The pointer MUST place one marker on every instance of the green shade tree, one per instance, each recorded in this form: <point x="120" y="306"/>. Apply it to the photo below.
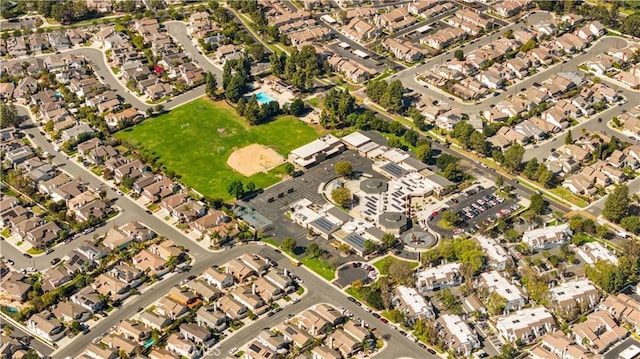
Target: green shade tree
<point x="341" y="196"/>
<point x="616" y="206"/>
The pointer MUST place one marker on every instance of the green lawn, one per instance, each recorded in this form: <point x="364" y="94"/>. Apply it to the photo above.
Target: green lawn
<point x="383" y="264"/>
<point x="196" y="139"/>
<point x="321" y="267"/>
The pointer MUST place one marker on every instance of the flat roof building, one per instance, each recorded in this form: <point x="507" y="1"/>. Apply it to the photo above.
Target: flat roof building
<point x="316" y="151"/>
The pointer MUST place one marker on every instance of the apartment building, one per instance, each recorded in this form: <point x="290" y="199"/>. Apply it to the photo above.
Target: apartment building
<point x="434" y="278"/>
<point x="526" y="324"/>
<point x="498" y="284"/>
<point x="412" y="304"/>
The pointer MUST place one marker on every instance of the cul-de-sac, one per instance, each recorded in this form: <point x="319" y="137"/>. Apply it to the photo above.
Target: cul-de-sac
<point x="319" y="179"/>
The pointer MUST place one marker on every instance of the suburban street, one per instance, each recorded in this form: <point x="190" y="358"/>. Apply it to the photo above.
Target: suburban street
<point x="318" y="289"/>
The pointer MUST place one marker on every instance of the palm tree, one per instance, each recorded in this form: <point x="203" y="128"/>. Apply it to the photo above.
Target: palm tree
<point x="172" y="262"/>
<point x="345" y="248"/>
<point x="215" y="239"/>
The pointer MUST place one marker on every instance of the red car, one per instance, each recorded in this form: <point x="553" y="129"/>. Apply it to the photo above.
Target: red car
<point x="385" y="321"/>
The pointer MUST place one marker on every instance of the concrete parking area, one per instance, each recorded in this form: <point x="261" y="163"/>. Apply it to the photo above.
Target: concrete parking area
<point x="482" y="205"/>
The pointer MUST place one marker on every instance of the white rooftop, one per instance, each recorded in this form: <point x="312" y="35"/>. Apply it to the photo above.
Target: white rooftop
<point x="413" y="300"/>
<point x="356" y="139"/>
<point x="630" y="352"/>
<point x="494" y="251"/>
<point x="439" y="273"/>
<point x="594" y="251"/>
<point x="571" y="290"/>
<point x="458" y="328"/>
<point x="524" y="319"/>
<point x="500" y="285"/>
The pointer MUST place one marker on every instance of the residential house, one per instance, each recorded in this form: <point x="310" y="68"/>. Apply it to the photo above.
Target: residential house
<point x="134" y="331"/>
<point x="210" y="317"/>
<point x="158" y="190"/>
<point x="494" y="282"/>
<point x="313" y="323"/>
<point x="197" y="334"/>
<point x="232" y="308"/>
<point x="457" y="335"/>
<point x="439" y="277"/>
<point x="46" y="326"/>
<point x="239" y="270"/>
<point x="599" y="332"/>
<point x="578" y="296"/>
<point x="298" y="337"/>
<point x="247" y="296"/>
<point x="151" y="263"/>
<point x="412" y="304"/>
<point x="526" y="324"/>
<point x="547" y="237"/>
<point x="180" y="345"/>
<point x="594" y="252"/>
<point x="215" y="277"/>
<point x="89" y="299"/>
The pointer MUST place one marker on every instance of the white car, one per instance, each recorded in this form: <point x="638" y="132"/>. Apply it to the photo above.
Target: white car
<point x="233" y="350"/>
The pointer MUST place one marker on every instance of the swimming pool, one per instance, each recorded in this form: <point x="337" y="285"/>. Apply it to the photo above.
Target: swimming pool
<point x="12" y="309"/>
<point x="263" y="98"/>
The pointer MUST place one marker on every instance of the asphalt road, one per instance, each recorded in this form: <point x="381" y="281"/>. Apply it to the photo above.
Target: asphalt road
<point x="130" y="210"/>
<point x="408" y="77"/>
<point x="317" y="292"/>
<point x="318" y="289"/>
<point x="476" y="170"/>
<point x="592" y="125"/>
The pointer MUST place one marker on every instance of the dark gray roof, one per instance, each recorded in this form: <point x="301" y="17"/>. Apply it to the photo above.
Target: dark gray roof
<point x="394" y="170"/>
<point x="356" y="241"/>
<point x="439" y="180"/>
<point x="414" y="163"/>
<point x="393" y="220"/>
<point x="339" y="214"/>
<point x="324" y="225"/>
<point x="375" y="232"/>
<point x="373" y="186"/>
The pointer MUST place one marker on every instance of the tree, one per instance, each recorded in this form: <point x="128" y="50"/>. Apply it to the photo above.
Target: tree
<point x="631" y="224"/>
<point x="289" y="168"/>
<point x="211" y="85"/>
<point x="388" y="240"/>
<point x="537" y="203"/>
<point x="459" y="55"/>
<point x="400" y="272"/>
<point x="296" y="107"/>
<point x="569" y="138"/>
<point x="344" y="168"/>
<point x="545" y="177"/>
<point x="499" y="181"/>
<point x="9" y="116"/>
<point x="342" y="196"/>
<point x="513" y="157"/>
<point x="236" y="189"/>
<point x="616" y="205"/>
<point x="423" y="152"/>
<point x="370" y="246"/>
<point x="235" y="89"/>
<point x="450" y="217"/>
<point x="313" y="250"/>
<point x="288" y="244"/>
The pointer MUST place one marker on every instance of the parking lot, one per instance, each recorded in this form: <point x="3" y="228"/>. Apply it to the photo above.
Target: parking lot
<point x="476" y="208"/>
<point x="374" y="61"/>
<point x="275" y="201"/>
